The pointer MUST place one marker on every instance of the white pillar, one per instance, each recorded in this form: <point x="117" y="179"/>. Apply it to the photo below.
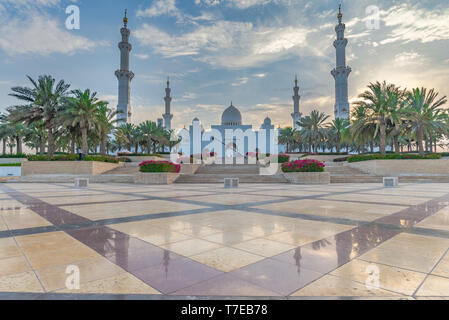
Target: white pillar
<point x="124" y="76"/>
<point x="341" y="72"/>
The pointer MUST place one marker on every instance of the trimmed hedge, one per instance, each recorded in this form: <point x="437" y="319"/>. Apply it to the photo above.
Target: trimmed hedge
<point x="8" y="156"/>
<point x="309" y="165"/>
<point x="159" y="166"/>
<point x="325" y="154"/>
<point x="74" y="157"/>
<point x="394" y="156"/>
<point x="10" y="164"/>
<point x="125" y="154"/>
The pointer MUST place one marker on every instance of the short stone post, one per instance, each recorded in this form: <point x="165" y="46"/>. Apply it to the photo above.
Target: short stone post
<point x="391" y="182"/>
<point x="81" y="183"/>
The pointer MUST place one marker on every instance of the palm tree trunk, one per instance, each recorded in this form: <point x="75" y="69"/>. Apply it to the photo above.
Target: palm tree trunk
<point x="137" y="148"/>
<point x="103" y="144"/>
<point x="19" y="145"/>
<point x="419" y="142"/>
<point x="72" y="144"/>
<point x="85" y="148"/>
<point x="51" y="142"/>
<point x="4" y="146"/>
<point x="383" y="135"/>
<point x="396" y="144"/>
<point x="362" y="143"/>
<point x="42" y="146"/>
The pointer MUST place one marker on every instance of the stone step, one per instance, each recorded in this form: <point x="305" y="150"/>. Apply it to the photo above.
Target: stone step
<point x="229" y="169"/>
<point x="356" y="179"/>
<point x="219" y="178"/>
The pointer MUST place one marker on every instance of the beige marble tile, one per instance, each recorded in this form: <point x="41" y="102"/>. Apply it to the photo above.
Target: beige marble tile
<point x="54" y="278"/>
<point x="263" y="247"/>
<point x="135" y="208"/>
<point x="13" y="265"/>
<point x="332" y="286"/>
<point x="442" y="269"/>
<point x="69" y="255"/>
<point x="46" y="241"/>
<point x="390" y="278"/>
<point x="292" y="238"/>
<point x="434" y="286"/>
<point x="227" y="259"/>
<point x="123" y="283"/>
<point x="8" y="248"/>
<point x="404" y="200"/>
<point x="23" y="219"/>
<point x="400" y="259"/>
<point x="165" y="237"/>
<point x="439" y="221"/>
<point x="232" y="198"/>
<point x="227" y="237"/>
<point x="20" y="282"/>
<point x="191" y="247"/>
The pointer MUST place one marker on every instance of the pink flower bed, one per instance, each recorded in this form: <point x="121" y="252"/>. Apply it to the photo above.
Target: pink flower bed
<point x="159" y="166"/>
<point x="309" y="165"/>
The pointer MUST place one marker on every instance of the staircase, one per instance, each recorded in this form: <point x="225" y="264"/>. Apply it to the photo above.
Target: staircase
<point x="344" y="174"/>
<point x="128" y="168"/>
<point x="217" y="173"/>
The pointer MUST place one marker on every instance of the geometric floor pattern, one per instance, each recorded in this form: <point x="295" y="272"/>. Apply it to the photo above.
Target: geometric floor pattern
<point x="271" y="241"/>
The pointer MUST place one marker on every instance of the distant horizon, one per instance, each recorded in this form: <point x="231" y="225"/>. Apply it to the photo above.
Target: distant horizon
<point x="218" y="51"/>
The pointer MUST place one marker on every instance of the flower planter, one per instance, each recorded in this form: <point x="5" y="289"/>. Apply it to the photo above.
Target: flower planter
<point x="156" y="178"/>
<point x="10" y="171"/>
<point x="308" y="177"/>
<point x="189" y="168"/>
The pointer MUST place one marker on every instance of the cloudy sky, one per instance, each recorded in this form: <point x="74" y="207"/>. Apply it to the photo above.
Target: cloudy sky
<point x="215" y="51"/>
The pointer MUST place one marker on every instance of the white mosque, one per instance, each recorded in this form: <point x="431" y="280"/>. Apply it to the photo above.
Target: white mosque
<point x="232" y="117"/>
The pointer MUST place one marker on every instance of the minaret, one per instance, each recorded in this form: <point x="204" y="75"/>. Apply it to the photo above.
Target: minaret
<point x="341" y="72"/>
<point x="296" y="115"/>
<point x="124" y="76"/>
<point x="167" y="116"/>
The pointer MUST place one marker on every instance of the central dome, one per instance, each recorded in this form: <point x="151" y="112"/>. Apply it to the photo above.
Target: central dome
<point x="231" y="117"/>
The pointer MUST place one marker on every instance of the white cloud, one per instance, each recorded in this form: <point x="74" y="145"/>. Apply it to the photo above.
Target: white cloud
<point x="40" y="35"/>
<point x="411" y="23"/>
<point x="160" y="7"/>
<point x="240" y="81"/>
<point x="142" y="56"/>
<point x="408" y="58"/>
<point x="228" y="44"/>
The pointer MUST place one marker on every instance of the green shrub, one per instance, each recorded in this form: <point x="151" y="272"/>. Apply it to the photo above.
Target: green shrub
<point x="124" y="154"/>
<point x="392" y="156"/>
<point x="8" y="156"/>
<point x="159" y="166"/>
<point x="10" y="164"/>
<point x="74" y="157"/>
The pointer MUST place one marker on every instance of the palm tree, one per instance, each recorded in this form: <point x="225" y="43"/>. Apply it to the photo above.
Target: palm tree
<point x="149" y="132"/>
<point x="44" y="100"/>
<point x="313" y="128"/>
<point x="82" y="110"/>
<point x="336" y="131"/>
<point x="127" y="134"/>
<point x="287" y="137"/>
<point x="381" y="102"/>
<point x="423" y="110"/>
<point x="5" y="132"/>
<point x="106" y="118"/>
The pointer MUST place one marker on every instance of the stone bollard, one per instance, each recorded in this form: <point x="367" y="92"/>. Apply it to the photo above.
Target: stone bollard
<point x="81" y="183"/>
<point x="391" y="182"/>
<point x="231" y="183"/>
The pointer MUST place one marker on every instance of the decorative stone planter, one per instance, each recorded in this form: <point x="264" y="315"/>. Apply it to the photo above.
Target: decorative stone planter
<point x="12" y="160"/>
<point x="67" y="167"/>
<point x="141" y="159"/>
<point x="308" y="177"/>
<point x="189" y="168"/>
<point x="156" y="178"/>
<point x="10" y="171"/>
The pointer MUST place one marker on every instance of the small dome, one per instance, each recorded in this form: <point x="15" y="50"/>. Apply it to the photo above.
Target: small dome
<point x="231" y="117"/>
<point x="267" y="121"/>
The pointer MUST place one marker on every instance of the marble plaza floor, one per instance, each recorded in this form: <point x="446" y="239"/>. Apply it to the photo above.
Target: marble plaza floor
<point x="269" y="241"/>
